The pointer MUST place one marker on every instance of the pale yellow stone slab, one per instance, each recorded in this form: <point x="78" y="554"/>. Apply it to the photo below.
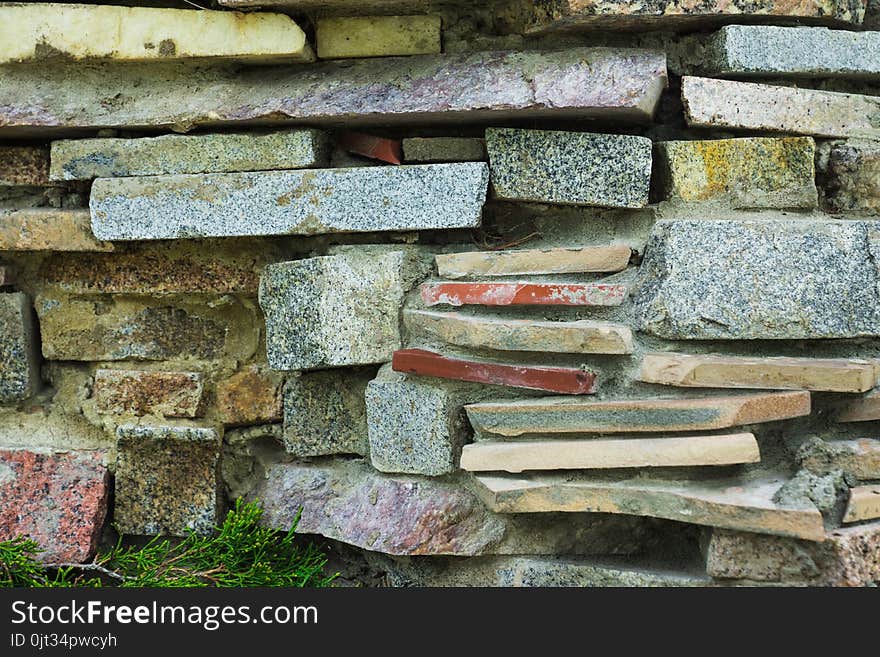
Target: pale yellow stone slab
<point x="377" y="36"/>
<point x="864" y="504"/>
<point x="33" y="32"/>
<point x="48" y="229"/>
<point x="711" y="371"/>
<point x="610" y="258"/>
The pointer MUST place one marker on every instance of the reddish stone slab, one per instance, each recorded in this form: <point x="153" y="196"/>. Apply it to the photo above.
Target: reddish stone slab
<point x="511" y="294"/>
<point x="377" y="148"/>
<point x="567" y="380"/>
<point x="58" y="500"/>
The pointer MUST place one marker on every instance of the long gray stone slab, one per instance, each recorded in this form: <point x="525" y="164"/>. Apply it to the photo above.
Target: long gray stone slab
<point x="19" y="365"/>
<point x="359" y="199"/>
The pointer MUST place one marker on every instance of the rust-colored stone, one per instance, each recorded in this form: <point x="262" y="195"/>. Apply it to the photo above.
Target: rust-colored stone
<point x="250" y="396"/>
<point x="142" y="392"/>
<point x="509" y="294"/>
<point x="376" y="148"/>
<point x="24" y="165"/>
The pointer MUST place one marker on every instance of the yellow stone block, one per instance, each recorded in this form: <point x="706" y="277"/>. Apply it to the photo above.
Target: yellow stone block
<point x="377" y="36"/>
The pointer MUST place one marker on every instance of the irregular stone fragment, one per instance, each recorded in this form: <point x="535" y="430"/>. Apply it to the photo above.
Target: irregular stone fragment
<point x="58" y="500"/>
<point x="850" y="176"/>
<point x="730" y="503"/>
<point x="376" y="148"/>
<point x="575" y="337"/>
<point x="551" y="415"/>
<point x="377" y="36"/>
<point x="768" y="373"/>
<point x="146" y="392"/>
<point x="358" y="199"/>
<point x="67" y="32"/>
<point x="864" y="504"/>
<point x="24" y="165"/>
<point x="577" y="168"/>
<point x="826" y="491"/>
<point x="759" y="279"/>
<point x="19" y="355"/>
<point x="250" y="396"/>
<point x="514" y="294"/>
<point x="444" y="149"/>
<point x="753" y="172"/>
<point x="712" y="103"/>
<point x="7" y="276"/>
<point x="166" y="479"/>
<point x="611" y="258"/>
<point x="863" y="409"/>
<point x="84" y="159"/>
<point x="858" y="459"/>
<point x="48" y="229"/>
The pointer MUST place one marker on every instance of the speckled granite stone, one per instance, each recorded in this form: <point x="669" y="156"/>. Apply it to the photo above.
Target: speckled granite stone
<point x="359" y="199"/>
<point x="84" y="159"/>
<point x="444" y="149"/>
<point x="24" y="165"/>
<point x="850" y="176"/>
<point x="760" y="279"/>
<point x="250" y="396"/>
<point x="166" y="479"/>
<point x="142" y="392"/>
<point x="579" y="168"/>
<point x="58" y="500"/>
<point x="19" y="365"/>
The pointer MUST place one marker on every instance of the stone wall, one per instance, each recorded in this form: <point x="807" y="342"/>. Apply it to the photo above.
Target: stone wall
<point x="536" y="293"/>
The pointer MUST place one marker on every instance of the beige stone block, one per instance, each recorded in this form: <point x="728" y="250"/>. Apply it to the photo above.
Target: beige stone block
<point x="864" y="504"/>
<point x="377" y="36"/>
<point x="862" y="409"/>
<point x="48" y="229"/>
<point x="610" y="258"/>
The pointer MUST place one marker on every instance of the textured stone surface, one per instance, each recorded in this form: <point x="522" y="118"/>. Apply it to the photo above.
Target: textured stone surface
<point x="730" y="503"/>
<point x="711" y="371"/>
<point x="751" y="106"/>
<point x="166" y="479"/>
<point x="58" y="500"/>
<point x="857" y="459"/>
<point x="773" y="51"/>
<point x="84" y="159"/>
<point x="518" y="294"/>
<point x="444" y="149"/>
<point x="377" y="36"/>
<point x="19" y="353"/>
<point x="763" y="279"/>
<point x="847" y="557"/>
<point x="576" y="337"/>
<point x="325" y="413"/>
<point x="7" y="276"/>
<point x="250" y="396"/>
<point x="850" y="175"/>
<point x="603" y="454"/>
<point x="862" y="409"/>
<point x="753" y="172"/>
<point x="864" y="504"/>
<point x="149" y="392"/>
<point x="578" y="168"/>
<point x="573" y="415"/>
<point x="371" y="146"/>
<point x="359" y="199"/>
<point x="581" y="82"/>
<point x="611" y="258"/>
<point x="68" y="32"/>
<point x="48" y="229"/>
<point x="24" y="165"/>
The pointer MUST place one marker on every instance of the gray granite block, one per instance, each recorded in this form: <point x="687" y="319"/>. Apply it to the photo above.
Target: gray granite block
<point x="444" y="149"/>
<point x="850" y="175"/>
<point x="19" y="366"/>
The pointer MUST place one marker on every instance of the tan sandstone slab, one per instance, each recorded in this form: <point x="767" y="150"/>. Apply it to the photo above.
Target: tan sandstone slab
<point x="609" y="258"/>
<point x="864" y="504"/>
<point x="565" y="415"/>
<point x="712" y="371"/>
<point x="48" y="229"/>
<point x="746" y="505"/>
<point x="863" y="409"/>
<point x="601" y="454"/>
<point x="377" y="36"/>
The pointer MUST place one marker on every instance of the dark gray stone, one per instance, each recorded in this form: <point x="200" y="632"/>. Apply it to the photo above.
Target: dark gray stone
<point x="19" y="366"/>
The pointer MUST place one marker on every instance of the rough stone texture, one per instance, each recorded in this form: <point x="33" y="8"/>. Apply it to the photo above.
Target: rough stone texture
<point x="405" y="515"/>
<point x="7" y="276"/>
<point x="566" y="415"/>
<point x="325" y="413"/>
<point x="250" y="396"/>
<point x="827" y="492"/>
<point x="857" y="459"/>
<point x="577" y="168"/>
<point x="610" y="258"/>
<point x="575" y="337"/>
<point x="371" y="146"/>
<point x="581" y="82"/>
<point x="850" y="176"/>
<point x="149" y="392"/>
<point x="761" y="279"/>
<point x="335" y="310"/>
<point x="358" y="199"/>
<point x="862" y="409"/>
<point x="19" y="353"/>
<point x="864" y="504"/>
<point x="711" y="371"/>
<point x="750" y="106"/>
<point x="69" y="32"/>
<point x="518" y="294"/>
<point x="444" y="149"/>
<point x="377" y="36"/>
<point x="847" y="557"/>
<point x="737" y="503"/>
<point x="48" y="229"/>
<point x="84" y="159"/>
<point x="754" y="172"/>
<point x="24" y="165"/>
<point x="166" y="479"/>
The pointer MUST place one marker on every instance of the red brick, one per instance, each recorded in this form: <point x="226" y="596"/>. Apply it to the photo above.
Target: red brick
<point x="377" y="148"/>
<point x="508" y="294"/>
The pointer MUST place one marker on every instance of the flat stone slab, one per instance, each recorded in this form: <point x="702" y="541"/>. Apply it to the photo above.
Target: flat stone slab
<point x="851" y="176"/>
<point x="858" y="459"/>
<point x="773" y="51"/>
<point x="149" y="392"/>
<point x="58" y="500"/>
<point x="371" y="146"/>
<point x="587" y="259"/>
<point x="250" y="396"/>
<point x="737" y="503"/>
<point x="48" y="229"/>
<point x="523" y="294"/>
<point x="603" y="454"/>
<point x="20" y="363"/>
<point x="24" y="165"/>
<point x="576" y="168"/>
<point x="564" y="415"/>
<point x="864" y="504"/>
<point x="445" y="149"/>
<point x="68" y="32"/>
<point x="341" y="37"/>
<point x="752" y="172"/>
<point x="863" y="409"/>
<point x="759" y="279"/>
<point x="84" y="159"/>
<point x="619" y="84"/>
<point x="359" y="199"/>
<point x="563" y="380"/>
<point x="712" y="371"/>
<point x="575" y="337"/>
<point x="712" y="103"/>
